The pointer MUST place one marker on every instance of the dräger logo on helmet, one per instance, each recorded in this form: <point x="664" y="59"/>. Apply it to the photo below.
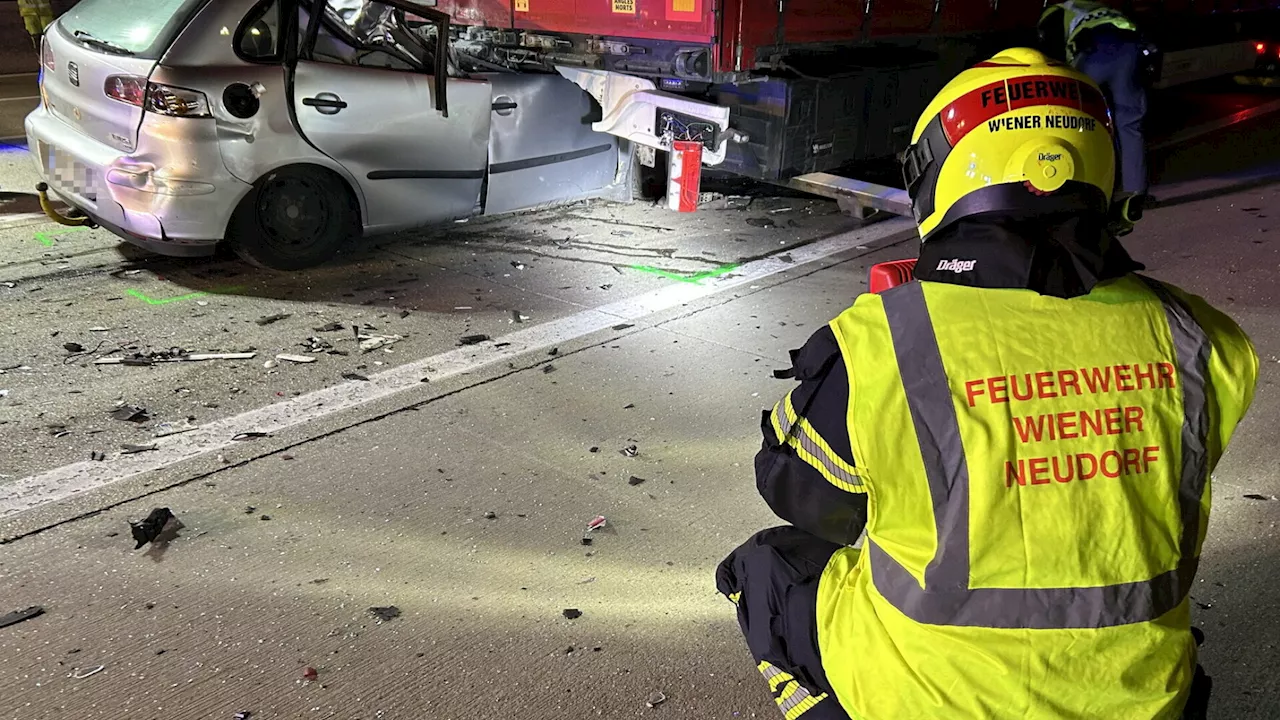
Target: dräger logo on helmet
<point x="957" y="266"/>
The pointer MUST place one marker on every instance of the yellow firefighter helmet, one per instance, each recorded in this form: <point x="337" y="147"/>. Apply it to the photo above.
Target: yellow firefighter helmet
<point x="1017" y="134"/>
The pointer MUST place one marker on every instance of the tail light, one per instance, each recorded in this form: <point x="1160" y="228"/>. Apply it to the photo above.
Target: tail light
<point x="176" y="102"/>
<point x="156" y="98"/>
<point x="46" y="56"/>
<point x="1260" y="47"/>
<point x="129" y="89"/>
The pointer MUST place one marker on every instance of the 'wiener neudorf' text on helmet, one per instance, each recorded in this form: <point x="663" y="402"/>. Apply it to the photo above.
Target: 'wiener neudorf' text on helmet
<point x="1017" y="134"/>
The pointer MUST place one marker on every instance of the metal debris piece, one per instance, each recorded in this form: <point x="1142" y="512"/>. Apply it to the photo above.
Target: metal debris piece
<point x="473" y="339"/>
<point x="296" y="358"/>
<point x="268" y="319"/>
<point x="630" y="451"/>
<point x="655" y="699"/>
<point x="132" y="449"/>
<point x="72" y="347"/>
<point x="385" y="614"/>
<point x="597" y="522"/>
<point x="571" y="613"/>
<point x="150" y="527"/>
<point x="143" y="360"/>
<point x="330" y="327"/>
<point x="77" y="675"/>
<point x="168" y="428"/>
<point x="633" y="481"/>
<point x="490" y="515"/>
<point x="310" y="674"/>
<point x="251" y="435"/>
<point x="99" y="329"/>
<point x="354" y="376"/>
<point x="369" y="343"/>
<point x="18" y="616"/>
<point x="779" y="211"/>
<point x="130" y="413"/>
<point x="738" y="202"/>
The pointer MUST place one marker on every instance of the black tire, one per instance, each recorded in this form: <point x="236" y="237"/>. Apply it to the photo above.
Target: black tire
<point x="294" y="218"/>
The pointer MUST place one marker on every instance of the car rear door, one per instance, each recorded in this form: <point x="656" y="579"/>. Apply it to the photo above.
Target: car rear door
<point x="365" y="93"/>
<point x="542" y="148"/>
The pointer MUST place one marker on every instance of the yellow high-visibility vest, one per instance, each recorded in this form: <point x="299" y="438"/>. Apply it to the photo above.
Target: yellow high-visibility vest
<point x="36" y="15"/>
<point x="1038" y="477"/>
<point x="1081" y="15"/>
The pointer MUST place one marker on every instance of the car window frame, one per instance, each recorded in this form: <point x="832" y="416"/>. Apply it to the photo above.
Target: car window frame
<point x="317" y="14"/>
<point x="282" y="42"/>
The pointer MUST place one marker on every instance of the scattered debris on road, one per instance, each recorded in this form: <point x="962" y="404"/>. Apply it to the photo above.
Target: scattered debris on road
<point x="330" y="327"/>
<point x="132" y="449"/>
<point x="587" y="540"/>
<point x="268" y="319"/>
<point x="572" y="613"/>
<point x="385" y="614"/>
<point x="630" y="451"/>
<point x="738" y="202"/>
<point x="597" y="522"/>
<point x="655" y="699"/>
<point x="252" y="435"/>
<point x="761" y="222"/>
<point x="473" y="339"/>
<point x="369" y="343"/>
<point x="354" y="376"/>
<point x="18" y="616"/>
<point x="243" y="715"/>
<point x="310" y="674"/>
<point x="296" y="358"/>
<point x="633" y="481"/>
<point x="168" y="428"/>
<point x="77" y="675"/>
<point x="96" y="456"/>
<point x="623" y="326"/>
<point x="144" y="360"/>
<point x="1255" y="496"/>
<point x="548" y="369"/>
<point x="264" y="518"/>
<point x="73" y="347"/>
<point x="151" y="526"/>
<point x="517" y="264"/>
<point x="490" y="515"/>
<point x="553" y="352"/>
<point x="130" y="413"/>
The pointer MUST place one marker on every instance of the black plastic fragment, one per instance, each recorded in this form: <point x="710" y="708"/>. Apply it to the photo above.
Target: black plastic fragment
<point x="150" y="527"/>
<point x="18" y="616"/>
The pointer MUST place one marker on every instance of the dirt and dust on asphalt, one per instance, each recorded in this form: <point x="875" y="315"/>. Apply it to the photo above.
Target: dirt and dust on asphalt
<point x="494" y="470"/>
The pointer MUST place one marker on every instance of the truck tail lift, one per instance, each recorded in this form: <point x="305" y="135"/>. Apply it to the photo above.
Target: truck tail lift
<point x="792" y="91"/>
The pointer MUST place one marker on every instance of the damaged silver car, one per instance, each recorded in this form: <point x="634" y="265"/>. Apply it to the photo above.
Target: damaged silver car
<point x="287" y="127"/>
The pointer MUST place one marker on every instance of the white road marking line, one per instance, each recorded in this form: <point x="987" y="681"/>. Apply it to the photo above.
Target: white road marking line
<point x="76" y="478"/>
<point x="27" y="98"/>
<point x="8" y="222"/>
<point x="1195" y="131"/>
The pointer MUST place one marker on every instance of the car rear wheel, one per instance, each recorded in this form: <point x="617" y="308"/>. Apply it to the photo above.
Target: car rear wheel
<point x="293" y="219"/>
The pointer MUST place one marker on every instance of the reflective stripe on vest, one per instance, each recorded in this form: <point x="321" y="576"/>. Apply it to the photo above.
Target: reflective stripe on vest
<point x="946" y="598"/>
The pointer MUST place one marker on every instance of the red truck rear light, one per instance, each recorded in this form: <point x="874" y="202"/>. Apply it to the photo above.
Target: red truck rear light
<point x="1260" y="47"/>
<point x="129" y="89"/>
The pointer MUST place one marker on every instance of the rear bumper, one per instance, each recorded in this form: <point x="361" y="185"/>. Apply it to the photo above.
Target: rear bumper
<point x="172" y="196"/>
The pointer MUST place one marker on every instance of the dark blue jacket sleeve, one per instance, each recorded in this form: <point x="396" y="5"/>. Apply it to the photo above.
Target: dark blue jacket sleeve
<point x="805" y="471"/>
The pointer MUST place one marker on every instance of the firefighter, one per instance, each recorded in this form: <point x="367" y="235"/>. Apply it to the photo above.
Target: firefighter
<point x="1026" y="434"/>
<point x="36" y="15"/>
<point x="1104" y="44"/>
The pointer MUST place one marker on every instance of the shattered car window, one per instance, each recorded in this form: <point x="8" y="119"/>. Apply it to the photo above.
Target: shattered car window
<point x="381" y="29"/>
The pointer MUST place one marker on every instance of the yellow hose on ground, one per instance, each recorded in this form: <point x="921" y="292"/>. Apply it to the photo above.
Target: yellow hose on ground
<point x="47" y="206"/>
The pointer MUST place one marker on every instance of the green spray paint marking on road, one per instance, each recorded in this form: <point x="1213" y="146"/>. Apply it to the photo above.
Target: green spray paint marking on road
<point x="46" y="238"/>
<point x="695" y="278"/>
<point x="165" y="301"/>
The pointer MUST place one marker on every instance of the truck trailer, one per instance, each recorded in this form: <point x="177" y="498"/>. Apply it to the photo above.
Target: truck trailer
<point x="793" y="91"/>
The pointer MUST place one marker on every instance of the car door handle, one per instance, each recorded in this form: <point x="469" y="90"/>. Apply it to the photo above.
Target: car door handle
<point x="504" y="105"/>
<point x="325" y="103"/>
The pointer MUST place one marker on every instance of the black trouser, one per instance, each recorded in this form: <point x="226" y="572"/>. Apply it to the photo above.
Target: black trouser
<point x="773" y="579"/>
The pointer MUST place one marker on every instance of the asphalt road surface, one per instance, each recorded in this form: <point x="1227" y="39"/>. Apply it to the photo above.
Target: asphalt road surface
<point x="456" y="481"/>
